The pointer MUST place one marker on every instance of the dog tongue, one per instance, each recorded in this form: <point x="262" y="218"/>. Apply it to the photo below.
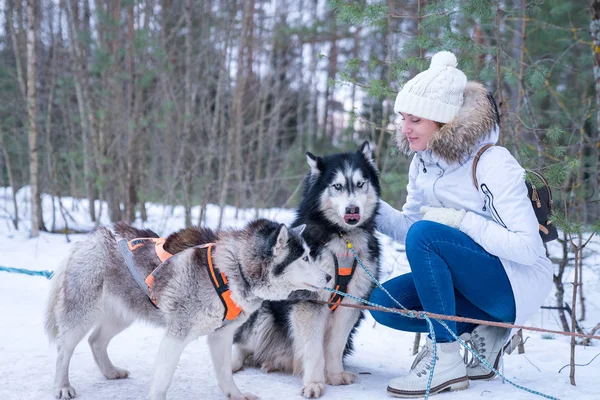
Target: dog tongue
<point x="348" y="217"/>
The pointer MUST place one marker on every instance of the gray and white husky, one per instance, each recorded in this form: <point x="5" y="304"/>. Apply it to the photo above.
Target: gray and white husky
<point x="93" y="288"/>
<point x="339" y="204"/>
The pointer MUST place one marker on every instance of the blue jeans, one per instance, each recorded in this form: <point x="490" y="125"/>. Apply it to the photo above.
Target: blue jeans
<point x="451" y="275"/>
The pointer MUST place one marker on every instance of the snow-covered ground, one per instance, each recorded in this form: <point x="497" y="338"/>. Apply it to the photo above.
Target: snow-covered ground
<point x="27" y="359"/>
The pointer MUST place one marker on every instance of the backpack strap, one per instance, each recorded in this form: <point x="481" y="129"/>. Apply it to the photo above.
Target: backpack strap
<point x="476" y="160"/>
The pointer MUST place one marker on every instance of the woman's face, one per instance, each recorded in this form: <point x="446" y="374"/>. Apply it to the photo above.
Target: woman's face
<point x="417" y="130"/>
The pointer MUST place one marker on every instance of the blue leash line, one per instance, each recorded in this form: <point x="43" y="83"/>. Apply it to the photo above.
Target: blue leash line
<point x="410" y="314"/>
<point x="45" y="274"/>
<point x="422" y="315"/>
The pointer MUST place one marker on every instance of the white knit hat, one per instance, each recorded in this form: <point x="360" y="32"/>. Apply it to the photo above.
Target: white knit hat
<point x="436" y="93"/>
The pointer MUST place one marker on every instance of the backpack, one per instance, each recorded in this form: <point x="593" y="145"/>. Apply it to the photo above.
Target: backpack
<point x="541" y="200"/>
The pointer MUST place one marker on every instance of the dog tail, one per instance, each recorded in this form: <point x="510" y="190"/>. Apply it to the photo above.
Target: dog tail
<point x="50" y="323"/>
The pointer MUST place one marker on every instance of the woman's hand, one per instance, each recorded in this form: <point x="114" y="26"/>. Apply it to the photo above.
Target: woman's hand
<point x="442" y="215"/>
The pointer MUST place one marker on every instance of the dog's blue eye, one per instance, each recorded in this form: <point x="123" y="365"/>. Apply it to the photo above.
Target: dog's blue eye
<point x="338" y="186"/>
<point x="360" y="184"/>
<point x="305" y="258"/>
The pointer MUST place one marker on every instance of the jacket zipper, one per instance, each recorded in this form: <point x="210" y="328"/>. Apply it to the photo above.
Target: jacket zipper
<point x="490" y="199"/>
<point x="436" y="180"/>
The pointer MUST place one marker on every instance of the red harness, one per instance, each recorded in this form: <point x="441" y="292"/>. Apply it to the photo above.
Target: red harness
<point x="218" y="278"/>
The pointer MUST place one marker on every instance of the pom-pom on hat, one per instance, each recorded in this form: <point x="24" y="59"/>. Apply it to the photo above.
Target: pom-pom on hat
<point x="436" y="93"/>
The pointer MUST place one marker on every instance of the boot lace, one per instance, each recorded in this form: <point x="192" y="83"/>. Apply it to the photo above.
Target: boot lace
<point x="477" y="343"/>
<point x="422" y="363"/>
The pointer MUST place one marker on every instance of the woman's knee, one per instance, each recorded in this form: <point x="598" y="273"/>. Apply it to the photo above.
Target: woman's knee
<point x="419" y="235"/>
<point x="380" y="298"/>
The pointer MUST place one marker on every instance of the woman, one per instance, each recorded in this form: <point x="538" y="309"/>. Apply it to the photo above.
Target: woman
<point x="473" y="252"/>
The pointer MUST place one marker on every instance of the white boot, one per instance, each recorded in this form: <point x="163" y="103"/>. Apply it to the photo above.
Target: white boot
<point x="487" y="341"/>
<point x="449" y="372"/>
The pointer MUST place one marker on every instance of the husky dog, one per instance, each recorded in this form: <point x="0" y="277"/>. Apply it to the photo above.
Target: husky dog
<point x="339" y="204"/>
<point x="94" y="288"/>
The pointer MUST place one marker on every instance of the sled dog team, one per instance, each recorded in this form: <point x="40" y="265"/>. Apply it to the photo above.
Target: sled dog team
<point x="258" y="295"/>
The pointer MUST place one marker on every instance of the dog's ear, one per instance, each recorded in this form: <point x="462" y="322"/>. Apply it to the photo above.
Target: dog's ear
<point x="365" y="150"/>
<point x="282" y="236"/>
<point x="299" y="229"/>
<point x="314" y="162"/>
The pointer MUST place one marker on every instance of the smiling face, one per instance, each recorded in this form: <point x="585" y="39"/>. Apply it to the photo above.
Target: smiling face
<point x="417" y="130"/>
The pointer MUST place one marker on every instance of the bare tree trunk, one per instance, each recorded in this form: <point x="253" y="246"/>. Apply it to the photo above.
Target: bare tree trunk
<point x="521" y="86"/>
<point x="50" y="154"/>
<point x="32" y="120"/>
<point x="581" y="296"/>
<point x="303" y="95"/>
<point x="328" y="122"/>
<point x="595" y="33"/>
<point x="234" y="132"/>
<point x="16" y="47"/>
<point x="187" y="115"/>
<point x="105" y="128"/>
<point x="479" y="39"/>
<point x="558" y="283"/>
<point x="312" y="118"/>
<point x="213" y="138"/>
<point x="11" y="179"/>
<point x="224" y="160"/>
<point x="576" y="284"/>
<point x="132" y="99"/>
<point x="578" y="255"/>
<point x="355" y="54"/>
<point x="262" y="147"/>
<point x="83" y="102"/>
<point x="500" y="95"/>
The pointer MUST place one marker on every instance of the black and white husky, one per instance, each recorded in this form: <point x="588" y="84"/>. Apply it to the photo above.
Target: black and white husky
<point x="93" y="288"/>
<point x="339" y="204"/>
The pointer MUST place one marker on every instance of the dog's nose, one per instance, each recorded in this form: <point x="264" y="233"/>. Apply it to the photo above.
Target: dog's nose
<point x="327" y="278"/>
<point x="352" y="210"/>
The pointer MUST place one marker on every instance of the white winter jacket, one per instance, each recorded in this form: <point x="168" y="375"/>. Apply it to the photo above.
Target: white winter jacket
<point x="499" y="215"/>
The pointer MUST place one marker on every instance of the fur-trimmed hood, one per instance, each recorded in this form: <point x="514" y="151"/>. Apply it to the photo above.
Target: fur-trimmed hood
<point x="476" y="121"/>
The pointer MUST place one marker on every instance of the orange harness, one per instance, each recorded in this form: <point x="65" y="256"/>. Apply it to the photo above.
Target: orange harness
<point x="218" y="278"/>
<point x="343" y="276"/>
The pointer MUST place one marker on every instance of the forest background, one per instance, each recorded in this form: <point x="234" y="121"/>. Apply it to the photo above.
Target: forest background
<point x="191" y="103"/>
<point x="216" y="101"/>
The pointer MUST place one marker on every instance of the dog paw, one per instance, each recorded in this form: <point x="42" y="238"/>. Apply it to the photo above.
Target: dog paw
<point x="313" y="390"/>
<point x="65" y="392"/>
<point x="236" y="366"/>
<point x="243" y="396"/>
<point x="268" y="367"/>
<point x="342" y="378"/>
<point x="117" y="373"/>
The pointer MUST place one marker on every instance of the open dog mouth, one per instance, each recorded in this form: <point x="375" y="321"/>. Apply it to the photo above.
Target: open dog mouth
<point x="351" y="219"/>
